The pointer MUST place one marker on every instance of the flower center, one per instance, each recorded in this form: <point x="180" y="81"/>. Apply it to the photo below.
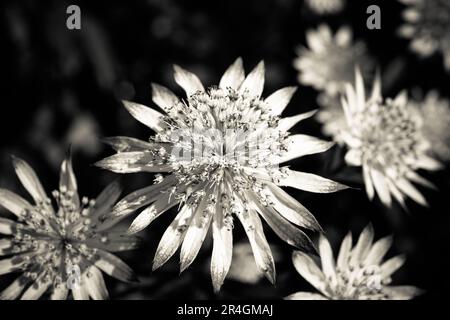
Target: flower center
<point x="217" y="130"/>
<point x="389" y="136"/>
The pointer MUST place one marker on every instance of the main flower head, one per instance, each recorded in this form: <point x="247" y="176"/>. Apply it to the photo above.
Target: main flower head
<point x="428" y="25"/>
<point x="221" y="148"/>
<point x="63" y="250"/>
<point x="358" y="274"/>
<point x="329" y="62"/>
<point x="384" y="136"/>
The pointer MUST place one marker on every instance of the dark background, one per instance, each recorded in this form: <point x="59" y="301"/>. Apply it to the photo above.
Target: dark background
<point x="64" y="86"/>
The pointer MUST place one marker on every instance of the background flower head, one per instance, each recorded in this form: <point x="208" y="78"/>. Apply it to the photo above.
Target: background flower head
<point x="358" y="273"/>
<point x="329" y="62"/>
<point x="434" y="112"/>
<point x="428" y="27"/>
<point x="222" y="147"/>
<point x="323" y="7"/>
<point x="63" y="250"/>
<point x="384" y="136"/>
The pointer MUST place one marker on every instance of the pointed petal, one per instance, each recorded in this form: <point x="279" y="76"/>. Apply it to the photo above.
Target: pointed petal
<point x="222" y="248"/>
<point x="12" y="264"/>
<point x="344" y="36"/>
<point x="5" y="246"/>
<point x="353" y="157"/>
<point x="29" y="180"/>
<point x="350" y="102"/>
<point x="113" y="266"/>
<point x="95" y="284"/>
<point x="6" y="226"/>
<point x="344" y="252"/>
<point x="152" y="212"/>
<point x="233" y="76"/>
<point x="326" y="257"/>
<point x="314" y="40"/>
<point x="362" y="247"/>
<point x="291" y="209"/>
<point x="195" y="235"/>
<point x="376" y="89"/>
<point x="413" y="176"/>
<point x="401" y="99"/>
<point x="368" y="182"/>
<point x="381" y="187"/>
<point x="305" y="296"/>
<point x="173" y="237"/>
<point x="187" y="80"/>
<point x="163" y="97"/>
<point x="287" y="123"/>
<point x="278" y="100"/>
<point x="107" y="198"/>
<point x="115" y="242"/>
<point x="141" y="197"/>
<point x="67" y="180"/>
<point x="378" y="251"/>
<point x="407" y="188"/>
<point x="392" y="265"/>
<point x="309" y="270"/>
<point x="254" y="82"/>
<point x="145" y="115"/>
<point x="15" y="288"/>
<point x="360" y="91"/>
<point x="428" y="163"/>
<point x="124" y="144"/>
<point x="300" y="145"/>
<point x="37" y="289"/>
<point x="310" y="182"/>
<point x="397" y="194"/>
<point x="260" y="247"/>
<point x="80" y="293"/>
<point x="134" y="161"/>
<point x="13" y="202"/>
<point x="283" y="228"/>
<point x="60" y="292"/>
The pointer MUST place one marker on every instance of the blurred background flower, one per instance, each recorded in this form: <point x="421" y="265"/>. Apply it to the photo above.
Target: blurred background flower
<point x="385" y="138"/>
<point x="359" y="272"/>
<point x="435" y="116"/>
<point x="427" y="24"/>
<point x="328" y="65"/>
<point x="323" y="7"/>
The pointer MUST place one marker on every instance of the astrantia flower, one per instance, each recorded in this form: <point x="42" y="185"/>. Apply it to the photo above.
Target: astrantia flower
<point x="385" y="138"/>
<point x="330" y="61"/>
<point x="435" y="114"/>
<point x="221" y="148"/>
<point x="326" y="6"/>
<point x="62" y="250"/>
<point x="358" y="274"/>
<point x="428" y="27"/>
